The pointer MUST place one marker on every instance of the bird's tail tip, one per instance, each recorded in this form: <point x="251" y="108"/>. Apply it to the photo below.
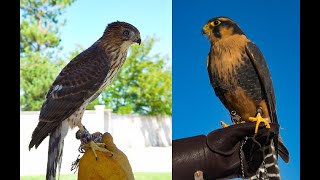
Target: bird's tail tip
<point x="269" y="168"/>
<point x="31" y="144"/>
<point x="55" y="151"/>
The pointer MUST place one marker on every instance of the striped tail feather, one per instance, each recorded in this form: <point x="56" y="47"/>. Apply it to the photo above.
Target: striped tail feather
<point x="55" y="151"/>
<point x="269" y="169"/>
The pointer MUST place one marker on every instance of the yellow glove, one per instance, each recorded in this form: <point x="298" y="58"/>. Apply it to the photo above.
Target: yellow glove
<point x="116" y="167"/>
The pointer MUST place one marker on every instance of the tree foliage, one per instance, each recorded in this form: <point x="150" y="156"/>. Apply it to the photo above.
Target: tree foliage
<point x="39" y="46"/>
<point x="143" y="86"/>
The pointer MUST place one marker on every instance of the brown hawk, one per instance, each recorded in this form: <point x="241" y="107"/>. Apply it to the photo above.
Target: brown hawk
<point x="241" y="80"/>
<point x="79" y="83"/>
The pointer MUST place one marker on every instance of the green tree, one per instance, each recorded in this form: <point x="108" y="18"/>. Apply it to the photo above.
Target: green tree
<point x="39" y="47"/>
<point x="143" y="86"/>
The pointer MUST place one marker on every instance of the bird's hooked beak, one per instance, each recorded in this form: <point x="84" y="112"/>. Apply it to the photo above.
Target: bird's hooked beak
<point x="138" y="39"/>
<point x="206" y="30"/>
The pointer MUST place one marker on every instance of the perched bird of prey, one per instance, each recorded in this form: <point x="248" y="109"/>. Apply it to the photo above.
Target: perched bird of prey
<point x="79" y="83"/>
<point x="241" y="80"/>
<point x="116" y="167"/>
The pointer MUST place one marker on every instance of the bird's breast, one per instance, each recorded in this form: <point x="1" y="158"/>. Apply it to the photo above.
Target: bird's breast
<point x="117" y="60"/>
<point x="224" y="63"/>
<point x="115" y="67"/>
<point x="227" y="55"/>
<point x="235" y="80"/>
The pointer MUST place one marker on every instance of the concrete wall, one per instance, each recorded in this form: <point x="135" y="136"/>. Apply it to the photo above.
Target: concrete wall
<point x="145" y="140"/>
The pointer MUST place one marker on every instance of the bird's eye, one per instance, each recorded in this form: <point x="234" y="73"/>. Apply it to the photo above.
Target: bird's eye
<point x="126" y="33"/>
<point x="215" y="23"/>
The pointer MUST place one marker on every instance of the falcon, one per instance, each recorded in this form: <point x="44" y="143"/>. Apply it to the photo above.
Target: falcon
<point x="241" y="80"/>
<point x="80" y="82"/>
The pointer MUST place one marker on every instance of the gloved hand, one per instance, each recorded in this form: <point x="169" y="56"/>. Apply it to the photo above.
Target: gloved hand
<point x="116" y="167"/>
<point x="217" y="155"/>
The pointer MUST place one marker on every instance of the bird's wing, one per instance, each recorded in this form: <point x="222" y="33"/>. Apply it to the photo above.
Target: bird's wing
<point x="77" y="82"/>
<point x="262" y="70"/>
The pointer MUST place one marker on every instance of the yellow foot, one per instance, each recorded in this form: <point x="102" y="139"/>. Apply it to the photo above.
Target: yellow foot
<point x="259" y="119"/>
<point x="198" y="175"/>
<point x="223" y="124"/>
<point x="97" y="147"/>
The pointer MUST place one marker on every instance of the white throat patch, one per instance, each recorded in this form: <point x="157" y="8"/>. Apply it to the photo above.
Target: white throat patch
<point x="125" y="45"/>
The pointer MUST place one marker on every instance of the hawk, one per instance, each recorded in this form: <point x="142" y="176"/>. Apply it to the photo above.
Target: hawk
<point x="241" y="80"/>
<point x="80" y="82"/>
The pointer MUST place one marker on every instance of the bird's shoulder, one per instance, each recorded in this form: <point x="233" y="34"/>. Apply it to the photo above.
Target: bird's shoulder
<point x="88" y="66"/>
<point x="93" y="56"/>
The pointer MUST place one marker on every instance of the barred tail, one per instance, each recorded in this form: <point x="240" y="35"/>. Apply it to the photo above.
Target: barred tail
<point x="269" y="169"/>
<point x="55" y="151"/>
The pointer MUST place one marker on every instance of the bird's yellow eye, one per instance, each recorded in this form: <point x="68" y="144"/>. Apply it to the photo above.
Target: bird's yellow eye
<point x="215" y="23"/>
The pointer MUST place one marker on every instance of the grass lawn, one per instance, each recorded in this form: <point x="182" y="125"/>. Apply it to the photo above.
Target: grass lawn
<point x="137" y="175"/>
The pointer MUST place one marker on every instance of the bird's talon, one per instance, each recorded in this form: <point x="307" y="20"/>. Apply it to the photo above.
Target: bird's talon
<point x="258" y="119"/>
<point x="99" y="147"/>
<point x="223" y="124"/>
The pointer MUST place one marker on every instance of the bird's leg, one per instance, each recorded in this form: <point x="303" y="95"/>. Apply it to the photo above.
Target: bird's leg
<point x="82" y="128"/>
<point x="235" y="118"/>
<point x="91" y="141"/>
<point x="258" y="119"/>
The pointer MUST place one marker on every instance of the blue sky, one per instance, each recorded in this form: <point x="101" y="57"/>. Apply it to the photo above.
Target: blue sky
<point x="87" y="20"/>
<point x="275" y="27"/>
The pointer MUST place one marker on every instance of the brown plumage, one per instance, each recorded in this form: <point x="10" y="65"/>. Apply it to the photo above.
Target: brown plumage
<point x="240" y="77"/>
<point x="80" y="82"/>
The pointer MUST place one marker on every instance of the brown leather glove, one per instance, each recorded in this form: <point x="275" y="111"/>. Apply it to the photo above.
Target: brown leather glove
<point x="218" y="154"/>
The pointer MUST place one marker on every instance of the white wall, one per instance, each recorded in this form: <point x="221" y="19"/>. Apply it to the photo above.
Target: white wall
<point x="145" y="140"/>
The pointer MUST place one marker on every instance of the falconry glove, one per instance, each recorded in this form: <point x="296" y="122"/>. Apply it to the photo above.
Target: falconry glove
<point x="229" y="152"/>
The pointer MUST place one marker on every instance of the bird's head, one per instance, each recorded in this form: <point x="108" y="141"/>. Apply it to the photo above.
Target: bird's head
<point x="220" y="27"/>
<point x="122" y="34"/>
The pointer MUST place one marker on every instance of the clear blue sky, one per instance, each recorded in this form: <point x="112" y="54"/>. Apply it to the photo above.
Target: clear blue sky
<point x="275" y="27"/>
<point x="87" y="20"/>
